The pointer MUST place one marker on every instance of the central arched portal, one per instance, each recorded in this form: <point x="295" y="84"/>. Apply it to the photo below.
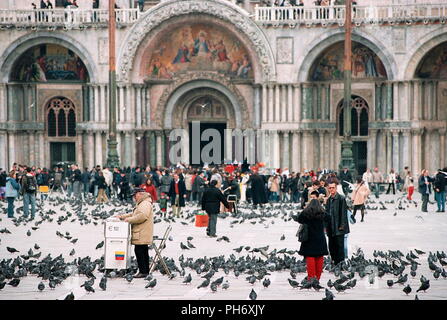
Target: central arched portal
<point x="205" y="113"/>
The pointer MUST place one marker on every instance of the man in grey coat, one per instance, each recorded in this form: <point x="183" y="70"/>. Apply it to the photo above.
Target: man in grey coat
<point x="338" y="224"/>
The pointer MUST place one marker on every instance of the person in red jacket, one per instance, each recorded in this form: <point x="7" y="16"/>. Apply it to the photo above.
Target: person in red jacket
<point x="150" y="188"/>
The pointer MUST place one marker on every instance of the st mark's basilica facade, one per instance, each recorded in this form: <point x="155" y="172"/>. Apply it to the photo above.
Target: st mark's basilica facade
<point x="275" y="72"/>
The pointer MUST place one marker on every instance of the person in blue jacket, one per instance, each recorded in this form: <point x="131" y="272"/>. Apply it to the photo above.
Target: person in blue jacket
<point x="12" y="192"/>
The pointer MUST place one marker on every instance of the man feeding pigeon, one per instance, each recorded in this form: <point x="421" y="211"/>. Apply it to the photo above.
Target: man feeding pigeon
<point x="211" y="199"/>
<point x="142" y="222"/>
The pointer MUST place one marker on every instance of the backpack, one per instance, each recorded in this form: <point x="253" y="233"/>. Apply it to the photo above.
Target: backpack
<point x="30" y="185"/>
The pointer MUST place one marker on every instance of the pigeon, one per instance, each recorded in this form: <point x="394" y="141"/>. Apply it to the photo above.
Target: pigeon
<point x="339" y="287"/>
<point x="2" y="285"/>
<point x="100" y="245"/>
<point x="52" y="284"/>
<point x="103" y="283"/>
<point x="252" y="279"/>
<point x="89" y="288"/>
<point x="328" y="295"/>
<point x="213" y="287"/>
<point x="28" y="233"/>
<point x="190" y="245"/>
<point x="151" y="284"/>
<point x="36" y="246"/>
<point x="283" y="237"/>
<point x="402" y="279"/>
<point x="204" y="284"/>
<point x="266" y="282"/>
<point x="407" y="289"/>
<point x="293" y="283"/>
<point x="72" y="252"/>
<point x="12" y="250"/>
<point x="424" y="286"/>
<point x="14" y="282"/>
<point x="129" y="277"/>
<point x="389" y="283"/>
<point x="149" y="277"/>
<point x="188" y="279"/>
<point x="218" y="281"/>
<point x="40" y="286"/>
<point x="238" y="250"/>
<point x="69" y="296"/>
<point x="183" y="247"/>
<point x="253" y="295"/>
<point x="225" y="285"/>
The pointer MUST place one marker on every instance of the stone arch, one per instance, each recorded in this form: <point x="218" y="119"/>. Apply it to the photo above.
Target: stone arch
<point x="222" y="10"/>
<point x="18" y="47"/>
<point x="417" y="54"/>
<point x="171" y="96"/>
<point x="329" y="38"/>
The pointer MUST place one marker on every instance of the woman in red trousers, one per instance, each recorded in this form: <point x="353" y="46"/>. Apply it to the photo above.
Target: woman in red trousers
<point x="150" y="188"/>
<point x="315" y="247"/>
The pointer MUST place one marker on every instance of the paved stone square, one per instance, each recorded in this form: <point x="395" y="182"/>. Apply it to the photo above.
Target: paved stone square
<point x="384" y="230"/>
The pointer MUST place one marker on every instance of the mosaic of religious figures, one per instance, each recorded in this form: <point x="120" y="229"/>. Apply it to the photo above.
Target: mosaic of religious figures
<point x="197" y="47"/>
<point x="434" y="64"/>
<point x="49" y="62"/>
<point x="365" y="64"/>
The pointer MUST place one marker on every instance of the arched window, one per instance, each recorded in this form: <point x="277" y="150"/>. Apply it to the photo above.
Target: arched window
<point x="61" y="118"/>
<point x="359" y="117"/>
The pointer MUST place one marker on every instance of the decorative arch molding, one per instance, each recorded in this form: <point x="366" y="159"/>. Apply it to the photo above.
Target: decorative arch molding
<point x="195" y="80"/>
<point x="223" y="10"/>
<point x="429" y="41"/>
<point x="18" y="47"/>
<point x="331" y="37"/>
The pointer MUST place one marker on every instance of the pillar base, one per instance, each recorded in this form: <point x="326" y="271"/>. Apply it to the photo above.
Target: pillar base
<point x="113" y="160"/>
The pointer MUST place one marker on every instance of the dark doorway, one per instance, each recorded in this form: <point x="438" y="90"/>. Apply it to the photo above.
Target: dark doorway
<point x="220" y="127"/>
<point x="360" y="154"/>
<point x="62" y="152"/>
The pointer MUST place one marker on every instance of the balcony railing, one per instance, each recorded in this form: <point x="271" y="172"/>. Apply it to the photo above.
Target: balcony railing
<point x="65" y="17"/>
<point x="360" y="14"/>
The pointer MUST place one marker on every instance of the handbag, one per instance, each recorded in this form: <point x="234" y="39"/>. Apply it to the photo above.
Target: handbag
<point x="303" y="233"/>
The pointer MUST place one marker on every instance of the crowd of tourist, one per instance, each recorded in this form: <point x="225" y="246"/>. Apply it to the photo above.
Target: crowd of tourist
<point x="254" y="184"/>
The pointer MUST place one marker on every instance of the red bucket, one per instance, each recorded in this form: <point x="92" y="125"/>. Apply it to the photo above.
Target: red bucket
<point x="201" y="220"/>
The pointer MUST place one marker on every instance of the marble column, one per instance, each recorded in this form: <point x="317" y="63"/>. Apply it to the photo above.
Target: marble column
<point x="417" y="106"/>
<point x="416" y="151"/>
<point x="32" y="151"/>
<point x="138" y="117"/>
<point x="296" y="151"/>
<point x="382" y="158"/>
<point x="121" y="105"/>
<point x="286" y="149"/>
<point x="159" y="147"/>
<point x="290" y="103"/>
<point x="395" y="152"/>
<point x="98" y="103"/>
<point x="276" y="150"/>
<point x="257" y="106"/>
<point x="406" y="154"/>
<point x="147" y="105"/>
<point x="277" y="103"/>
<point x="130" y="106"/>
<point x="3" y="106"/>
<point x="98" y="149"/>
<point x="127" y="149"/>
<point x="442" y="148"/>
<point x="264" y="106"/>
<point x="11" y="148"/>
<point x="271" y="107"/>
<point x="267" y="151"/>
<point x="306" y="162"/>
<point x="133" y="149"/>
<point x="104" y="104"/>
<point x="405" y="108"/>
<point x="92" y="102"/>
<point x="389" y="100"/>
<point x="371" y="149"/>
<point x="79" y="150"/>
<point x="284" y="103"/>
<point x="306" y="105"/>
<point x="43" y="156"/>
<point x="322" y="154"/>
<point x="296" y="103"/>
<point x="396" y="104"/>
<point x="389" y="151"/>
<point x="4" y="150"/>
<point x="429" y="99"/>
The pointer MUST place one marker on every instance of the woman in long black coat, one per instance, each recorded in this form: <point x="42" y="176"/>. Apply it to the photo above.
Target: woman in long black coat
<point x="257" y="189"/>
<point x="315" y="247"/>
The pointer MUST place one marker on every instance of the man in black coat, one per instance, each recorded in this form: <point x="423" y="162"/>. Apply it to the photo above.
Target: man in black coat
<point x="440" y="187"/>
<point x="177" y="195"/>
<point x="211" y="199"/>
<point x="338" y="225"/>
<point x="425" y="183"/>
<point x="258" y="195"/>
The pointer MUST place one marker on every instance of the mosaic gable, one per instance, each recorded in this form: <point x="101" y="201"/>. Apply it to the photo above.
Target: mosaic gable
<point x="434" y="64"/>
<point x="197" y="47"/>
<point x="365" y="64"/>
<point x="49" y="63"/>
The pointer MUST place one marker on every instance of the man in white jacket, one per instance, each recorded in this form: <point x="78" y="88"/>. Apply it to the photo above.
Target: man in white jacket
<point x="108" y="176"/>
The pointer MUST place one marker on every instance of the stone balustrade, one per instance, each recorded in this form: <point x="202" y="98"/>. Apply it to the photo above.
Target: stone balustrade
<point x="65" y="17"/>
<point x="361" y="14"/>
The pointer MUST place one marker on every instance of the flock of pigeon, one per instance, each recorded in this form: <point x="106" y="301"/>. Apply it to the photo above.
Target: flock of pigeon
<point x="255" y="264"/>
